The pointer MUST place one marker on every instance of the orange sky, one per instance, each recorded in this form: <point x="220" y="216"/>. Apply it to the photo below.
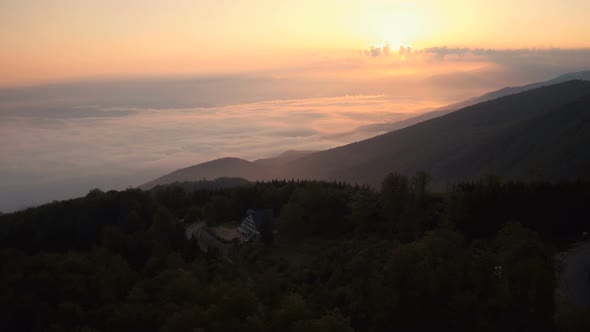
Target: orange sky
<point x="53" y="40"/>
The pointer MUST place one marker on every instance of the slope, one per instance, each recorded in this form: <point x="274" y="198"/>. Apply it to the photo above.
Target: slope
<point x="462" y="145"/>
<point x="225" y="167"/>
<point x="443" y="146"/>
<point x="228" y="167"/>
<point x="391" y="126"/>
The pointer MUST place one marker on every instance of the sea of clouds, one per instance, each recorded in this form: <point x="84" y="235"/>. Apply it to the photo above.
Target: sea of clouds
<point x="58" y="152"/>
<point x="60" y="140"/>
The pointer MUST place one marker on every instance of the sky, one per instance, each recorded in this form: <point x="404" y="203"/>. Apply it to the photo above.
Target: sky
<point x="112" y="94"/>
<point x="49" y="40"/>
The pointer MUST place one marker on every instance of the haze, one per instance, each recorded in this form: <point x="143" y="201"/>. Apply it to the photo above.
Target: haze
<point x="111" y="94"/>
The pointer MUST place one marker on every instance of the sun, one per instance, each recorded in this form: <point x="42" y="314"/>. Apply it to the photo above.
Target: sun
<point x="396" y="28"/>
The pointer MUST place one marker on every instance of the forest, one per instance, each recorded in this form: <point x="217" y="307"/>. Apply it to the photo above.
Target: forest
<point x="478" y="256"/>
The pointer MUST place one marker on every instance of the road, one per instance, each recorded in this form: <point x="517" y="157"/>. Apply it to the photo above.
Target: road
<point x="575" y="277"/>
<point x="194" y="229"/>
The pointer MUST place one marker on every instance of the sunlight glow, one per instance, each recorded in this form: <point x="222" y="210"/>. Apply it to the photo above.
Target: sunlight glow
<point x="397" y="29"/>
<point x="45" y="40"/>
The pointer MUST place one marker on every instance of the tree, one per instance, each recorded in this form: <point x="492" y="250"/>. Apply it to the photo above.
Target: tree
<point x="96" y="192"/>
<point x="365" y="210"/>
<point x="194" y="213"/>
<point x="330" y="322"/>
<point x="293" y="308"/>
<point x="420" y="182"/>
<point x="527" y="277"/>
<point x="218" y="209"/>
<point x="315" y="210"/>
<point x="395" y="196"/>
<point x="266" y="229"/>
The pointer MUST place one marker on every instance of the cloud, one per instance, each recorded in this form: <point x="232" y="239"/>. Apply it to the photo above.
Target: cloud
<point x="295" y="132"/>
<point x="524" y="65"/>
<point x="377" y="51"/>
<point x="451" y="71"/>
<point x="447" y="50"/>
<point x="62" y="112"/>
<point x="63" y="139"/>
<point x="386" y="50"/>
<point x="67" y="154"/>
<point x="546" y="56"/>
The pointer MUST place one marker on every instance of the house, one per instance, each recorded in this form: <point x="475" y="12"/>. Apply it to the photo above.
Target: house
<point x="251" y="225"/>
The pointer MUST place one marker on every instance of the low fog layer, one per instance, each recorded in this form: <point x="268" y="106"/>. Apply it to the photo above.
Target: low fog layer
<point x="70" y="151"/>
<point x="61" y="140"/>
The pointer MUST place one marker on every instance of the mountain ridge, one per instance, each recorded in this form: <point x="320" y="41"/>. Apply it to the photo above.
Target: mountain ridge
<point x="502" y="92"/>
<point x="383" y="149"/>
<point x="437" y="145"/>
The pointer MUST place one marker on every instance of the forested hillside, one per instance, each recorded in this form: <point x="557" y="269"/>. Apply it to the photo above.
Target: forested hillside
<point x="538" y="134"/>
<point x="460" y="146"/>
<point x="478" y="257"/>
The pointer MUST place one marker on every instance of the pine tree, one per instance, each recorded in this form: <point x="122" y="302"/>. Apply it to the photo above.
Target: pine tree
<point x="266" y="235"/>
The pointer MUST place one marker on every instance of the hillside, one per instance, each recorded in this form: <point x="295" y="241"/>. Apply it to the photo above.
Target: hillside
<point x="506" y="91"/>
<point x="228" y="167"/>
<point x="344" y="258"/>
<point x="462" y="145"/>
<point x="459" y="145"/>
<point x="225" y="167"/>
<point x="219" y="183"/>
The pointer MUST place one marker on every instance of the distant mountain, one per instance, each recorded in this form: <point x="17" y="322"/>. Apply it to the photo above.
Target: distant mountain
<point x="551" y="146"/>
<point x="581" y="75"/>
<point x="227" y="167"/>
<point x="283" y="158"/>
<point x="537" y="134"/>
<point x="190" y="186"/>
<point x="471" y="142"/>
<point x="391" y="126"/>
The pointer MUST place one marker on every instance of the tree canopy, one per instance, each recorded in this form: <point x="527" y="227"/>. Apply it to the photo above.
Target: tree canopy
<point x="479" y="256"/>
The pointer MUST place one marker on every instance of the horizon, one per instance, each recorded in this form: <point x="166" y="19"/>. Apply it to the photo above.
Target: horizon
<point x="111" y="95"/>
<point x="69" y="40"/>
